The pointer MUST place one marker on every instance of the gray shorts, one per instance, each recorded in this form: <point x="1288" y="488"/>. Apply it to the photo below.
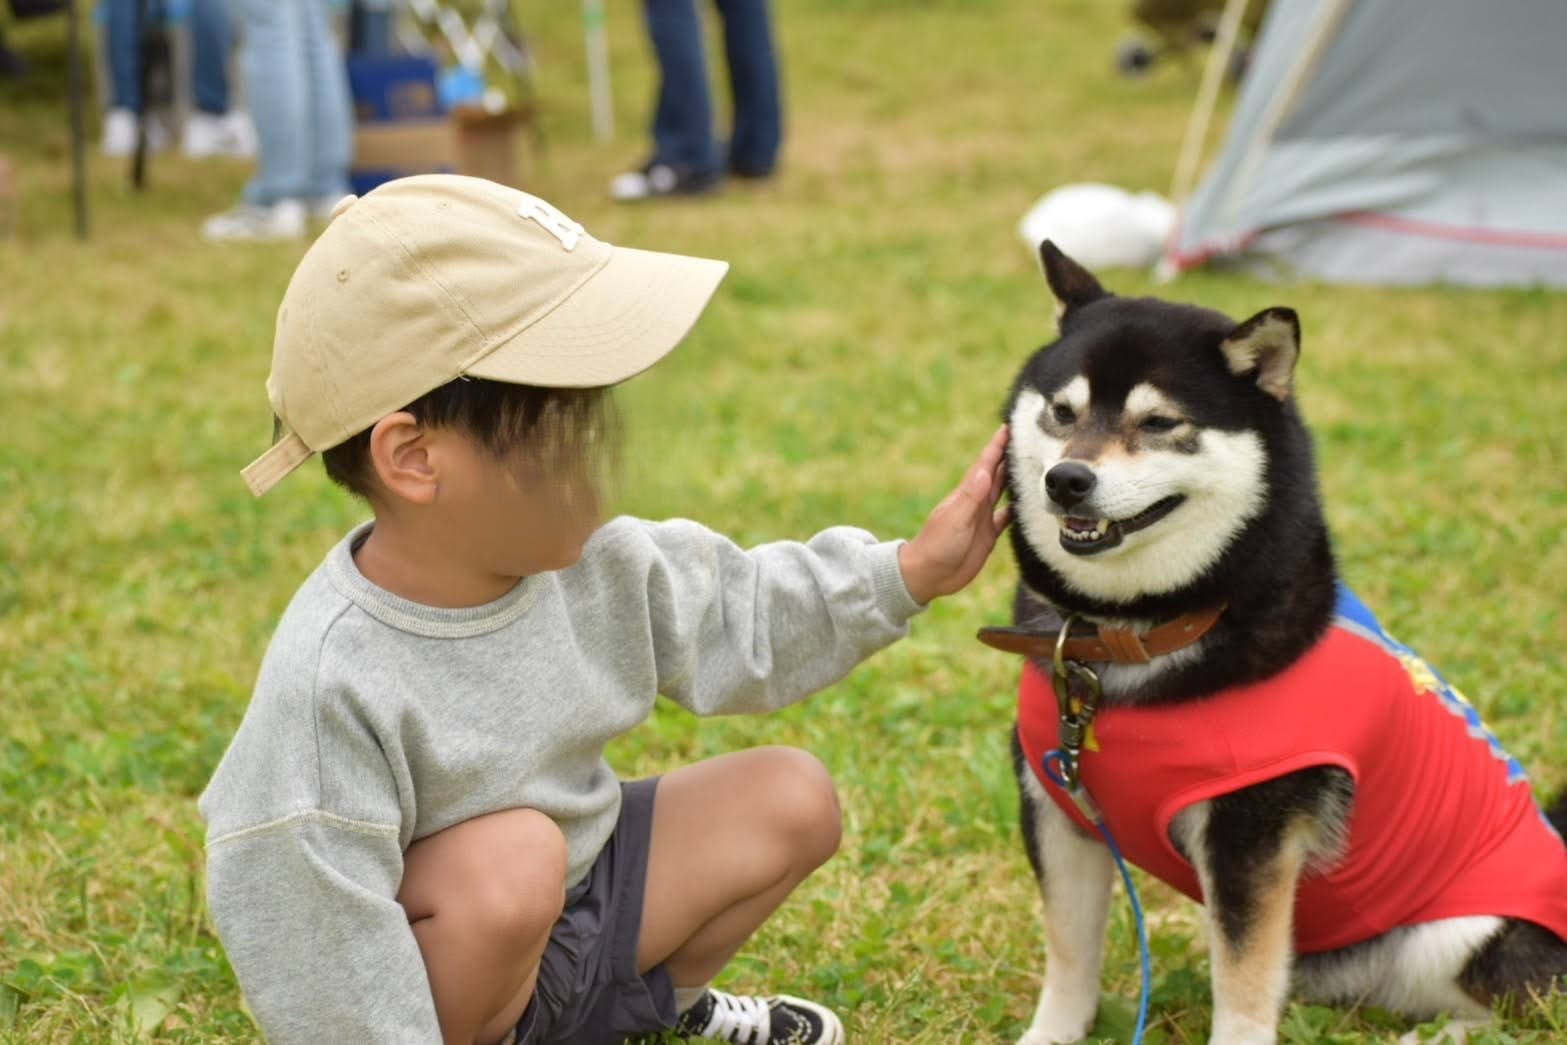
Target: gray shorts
<point x="589" y="990"/>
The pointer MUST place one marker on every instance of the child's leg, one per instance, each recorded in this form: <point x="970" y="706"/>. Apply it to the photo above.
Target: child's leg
<point x="482" y="897"/>
<point x="732" y="836"/>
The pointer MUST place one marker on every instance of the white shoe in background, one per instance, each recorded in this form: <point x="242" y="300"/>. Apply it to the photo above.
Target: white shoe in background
<point x="208" y="134"/>
<point x="119" y="133"/>
<point x="323" y="207"/>
<point x="242" y="134"/>
<point x="285" y="219"/>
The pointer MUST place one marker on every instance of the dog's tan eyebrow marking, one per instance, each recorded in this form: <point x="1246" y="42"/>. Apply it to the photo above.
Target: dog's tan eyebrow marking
<point x="1145" y="399"/>
<point x="1073" y="394"/>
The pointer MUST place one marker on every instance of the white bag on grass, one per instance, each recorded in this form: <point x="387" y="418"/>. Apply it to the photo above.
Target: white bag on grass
<point x="1100" y="226"/>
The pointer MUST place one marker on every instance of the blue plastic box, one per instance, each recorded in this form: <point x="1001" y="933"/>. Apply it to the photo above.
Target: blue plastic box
<point x="394" y="87"/>
<point x="402" y="128"/>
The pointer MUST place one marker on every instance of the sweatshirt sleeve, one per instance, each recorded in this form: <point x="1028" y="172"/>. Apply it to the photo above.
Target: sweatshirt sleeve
<point x="323" y="952"/>
<point x="750" y="631"/>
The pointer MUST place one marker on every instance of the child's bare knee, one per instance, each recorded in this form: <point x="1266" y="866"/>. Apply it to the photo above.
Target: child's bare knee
<point x="503" y="873"/>
<point x="522" y="888"/>
<point x="805" y="800"/>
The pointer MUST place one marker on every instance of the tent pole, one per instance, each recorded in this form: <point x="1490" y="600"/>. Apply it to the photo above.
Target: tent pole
<point x="598" y="69"/>
<point x="1196" y="137"/>
<point x="78" y="122"/>
<point x="1283" y="101"/>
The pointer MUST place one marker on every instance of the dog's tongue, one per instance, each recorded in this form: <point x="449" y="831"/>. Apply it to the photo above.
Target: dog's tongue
<point x="1075" y="523"/>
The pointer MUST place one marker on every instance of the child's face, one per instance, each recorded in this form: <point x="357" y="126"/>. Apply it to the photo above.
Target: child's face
<point x="512" y="515"/>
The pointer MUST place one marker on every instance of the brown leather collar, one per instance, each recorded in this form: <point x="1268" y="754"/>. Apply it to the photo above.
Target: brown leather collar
<point x="1099" y="643"/>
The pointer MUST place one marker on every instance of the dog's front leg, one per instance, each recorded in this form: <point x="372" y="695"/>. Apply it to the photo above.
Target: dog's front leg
<point x="1248" y="861"/>
<point x="1075" y="873"/>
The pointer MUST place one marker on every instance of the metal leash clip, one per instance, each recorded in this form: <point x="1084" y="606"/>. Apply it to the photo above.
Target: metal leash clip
<point x="1077" y="691"/>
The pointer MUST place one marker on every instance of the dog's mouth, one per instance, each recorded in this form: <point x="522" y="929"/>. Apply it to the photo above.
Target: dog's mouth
<point x="1089" y="536"/>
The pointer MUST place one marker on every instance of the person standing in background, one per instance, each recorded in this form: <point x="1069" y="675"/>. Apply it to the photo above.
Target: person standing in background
<point x="370" y="27"/>
<point x="212" y="129"/>
<point x="686" y="158"/>
<point x="298" y="90"/>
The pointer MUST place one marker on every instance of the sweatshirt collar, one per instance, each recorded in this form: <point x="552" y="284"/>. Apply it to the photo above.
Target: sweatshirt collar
<point x="415" y="617"/>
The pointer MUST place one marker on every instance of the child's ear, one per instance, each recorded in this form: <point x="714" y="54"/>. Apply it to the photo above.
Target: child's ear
<point x="1072" y="284"/>
<point x="401" y="458"/>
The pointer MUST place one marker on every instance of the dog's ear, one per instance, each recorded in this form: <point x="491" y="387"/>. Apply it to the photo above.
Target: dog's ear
<point x="1072" y="284"/>
<point x="1266" y="345"/>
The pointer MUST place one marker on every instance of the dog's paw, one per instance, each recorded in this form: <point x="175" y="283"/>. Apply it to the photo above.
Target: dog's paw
<point x="1035" y="1036"/>
<point x="1231" y="1028"/>
<point x="1048" y="1029"/>
<point x="1067" y="1006"/>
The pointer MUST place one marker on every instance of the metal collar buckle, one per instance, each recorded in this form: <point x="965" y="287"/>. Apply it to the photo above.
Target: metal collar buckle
<point x="1077" y="691"/>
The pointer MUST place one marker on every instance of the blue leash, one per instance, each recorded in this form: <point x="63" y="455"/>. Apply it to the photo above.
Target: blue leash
<point x="1051" y="764"/>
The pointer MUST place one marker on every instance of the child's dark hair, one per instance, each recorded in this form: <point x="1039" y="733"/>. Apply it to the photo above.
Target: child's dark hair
<point x="563" y="429"/>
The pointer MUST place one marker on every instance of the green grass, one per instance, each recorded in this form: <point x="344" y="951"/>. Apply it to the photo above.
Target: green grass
<point x="852" y="363"/>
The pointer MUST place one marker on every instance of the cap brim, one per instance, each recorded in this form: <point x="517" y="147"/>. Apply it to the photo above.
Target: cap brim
<point x="628" y="316"/>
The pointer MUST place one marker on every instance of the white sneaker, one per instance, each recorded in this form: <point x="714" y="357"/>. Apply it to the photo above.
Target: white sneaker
<point x="660" y="179"/>
<point x="230" y="134"/>
<point x="119" y="133"/>
<point x="323" y="207"/>
<point x="746" y="1020"/>
<point x="284" y="219"/>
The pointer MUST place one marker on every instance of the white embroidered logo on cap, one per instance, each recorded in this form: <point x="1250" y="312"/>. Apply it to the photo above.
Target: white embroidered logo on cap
<point x="551" y="221"/>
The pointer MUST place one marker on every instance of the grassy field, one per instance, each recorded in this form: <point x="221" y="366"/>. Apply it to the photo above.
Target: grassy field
<point x="855" y="358"/>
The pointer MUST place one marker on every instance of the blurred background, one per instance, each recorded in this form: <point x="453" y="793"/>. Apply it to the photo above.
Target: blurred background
<point x="882" y="295"/>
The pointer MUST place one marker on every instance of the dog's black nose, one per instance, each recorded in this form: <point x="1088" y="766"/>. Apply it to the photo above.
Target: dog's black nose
<point x="1069" y="482"/>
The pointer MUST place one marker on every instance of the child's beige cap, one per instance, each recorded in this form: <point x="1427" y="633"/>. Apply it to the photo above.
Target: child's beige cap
<point x="429" y="278"/>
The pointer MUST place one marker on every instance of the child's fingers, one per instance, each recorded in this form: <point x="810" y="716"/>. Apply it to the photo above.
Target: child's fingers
<point x="977" y="485"/>
<point x="991" y="455"/>
<point x="1000" y="518"/>
<point x="985" y="476"/>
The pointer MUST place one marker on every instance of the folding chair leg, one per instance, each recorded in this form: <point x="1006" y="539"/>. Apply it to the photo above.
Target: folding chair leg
<point x="78" y="121"/>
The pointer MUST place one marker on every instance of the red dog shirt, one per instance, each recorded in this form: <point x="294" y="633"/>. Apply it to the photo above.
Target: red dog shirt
<point x="1443" y="825"/>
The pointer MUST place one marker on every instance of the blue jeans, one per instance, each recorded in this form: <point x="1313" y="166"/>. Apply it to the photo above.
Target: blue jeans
<point x="297" y="86"/>
<point x="683" y="119"/>
<point x="370" y="27"/>
<point x="210" y="39"/>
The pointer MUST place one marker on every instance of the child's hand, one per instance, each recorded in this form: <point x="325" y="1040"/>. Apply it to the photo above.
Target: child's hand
<point x="956" y="540"/>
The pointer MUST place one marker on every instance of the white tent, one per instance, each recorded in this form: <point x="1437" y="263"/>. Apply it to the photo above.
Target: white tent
<point x="1394" y="141"/>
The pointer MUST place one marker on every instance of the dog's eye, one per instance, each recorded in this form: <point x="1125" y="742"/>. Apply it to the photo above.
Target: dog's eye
<point x="1158" y="423"/>
<point x="1063" y="414"/>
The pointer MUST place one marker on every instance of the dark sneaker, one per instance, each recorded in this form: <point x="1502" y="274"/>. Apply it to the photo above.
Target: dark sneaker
<point x="658" y="180"/>
<point x="751" y="173"/>
<point x="746" y="1020"/>
<point x="747" y="171"/>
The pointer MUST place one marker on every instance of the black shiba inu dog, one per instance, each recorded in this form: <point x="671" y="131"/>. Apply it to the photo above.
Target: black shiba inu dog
<point x="1251" y="735"/>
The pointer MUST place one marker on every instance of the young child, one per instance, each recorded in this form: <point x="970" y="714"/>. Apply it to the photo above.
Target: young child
<point x="414" y="834"/>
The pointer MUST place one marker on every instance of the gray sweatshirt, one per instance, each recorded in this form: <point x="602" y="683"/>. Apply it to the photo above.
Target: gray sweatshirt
<point x="377" y="721"/>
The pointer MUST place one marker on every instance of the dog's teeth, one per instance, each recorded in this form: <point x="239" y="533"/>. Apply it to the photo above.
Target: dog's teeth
<point x="1085" y="530"/>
